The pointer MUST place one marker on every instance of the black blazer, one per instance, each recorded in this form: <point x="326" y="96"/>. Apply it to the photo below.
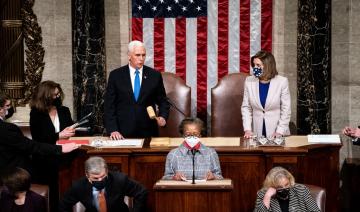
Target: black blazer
<point x="118" y="186"/>
<point x="15" y="148"/>
<point x="127" y="116"/>
<point x="33" y="202"/>
<point x="41" y="127"/>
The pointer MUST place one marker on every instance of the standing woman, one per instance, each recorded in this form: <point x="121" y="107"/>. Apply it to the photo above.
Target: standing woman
<point x="49" y="122"/>
<point x="266" y="106"/>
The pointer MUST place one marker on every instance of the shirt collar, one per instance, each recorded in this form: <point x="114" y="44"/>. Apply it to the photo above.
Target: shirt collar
<point x="184" y="150"/>
<point x="132" y="70"/>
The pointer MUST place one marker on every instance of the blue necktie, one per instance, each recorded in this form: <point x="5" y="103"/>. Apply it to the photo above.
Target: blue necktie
<point x="137" y="85"/>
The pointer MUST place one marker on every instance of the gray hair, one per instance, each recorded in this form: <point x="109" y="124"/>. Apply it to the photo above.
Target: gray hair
<point x="95" y="165"/>
<point x="133" y="44"/>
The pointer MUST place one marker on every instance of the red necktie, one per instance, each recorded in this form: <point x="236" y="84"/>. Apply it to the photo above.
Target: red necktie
<point x="102" y="202"/>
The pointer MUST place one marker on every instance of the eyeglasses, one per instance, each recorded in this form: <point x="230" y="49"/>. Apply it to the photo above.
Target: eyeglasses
<point x="192" y="134"/>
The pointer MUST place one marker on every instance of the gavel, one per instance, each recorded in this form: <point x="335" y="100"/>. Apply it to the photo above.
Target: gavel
<point x="151" y="112"/>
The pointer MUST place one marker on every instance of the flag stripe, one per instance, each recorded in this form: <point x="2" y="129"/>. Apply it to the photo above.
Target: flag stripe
<point x="266" y="25"/>
<point x="202" y="67"/>
<point x="191" y="60"/>
<point x="255" y="26"/>
<point x="148" y="39"/>
<point x="234" y="39"/>
<point x="223" y="47"/>
<point x="137" y="29"/>
<point x="170" y="45"/>
<point x="180" y="41"/>
<point x="159" y="44"/>
<point x="244" y="35"/>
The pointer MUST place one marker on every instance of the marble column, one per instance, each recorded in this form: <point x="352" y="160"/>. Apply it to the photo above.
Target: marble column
<point x="89" y="75"/>
<point x="314" y="67"/>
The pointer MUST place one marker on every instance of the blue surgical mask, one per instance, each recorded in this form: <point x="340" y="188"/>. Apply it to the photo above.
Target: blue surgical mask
<point x="257" y="72"/>
<point x="192" y="141"/>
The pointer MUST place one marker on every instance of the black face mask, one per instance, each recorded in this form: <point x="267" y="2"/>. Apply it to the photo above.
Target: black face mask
<point x="283" y="193"/>
<point x="57" y="102"/>
<point x="99" y="185"/>
<point x="10" y="112"/>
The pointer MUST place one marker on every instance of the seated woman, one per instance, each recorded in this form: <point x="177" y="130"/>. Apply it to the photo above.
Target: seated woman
<point x="17" y="195"/>
<point x="281" y="193"/>
<point x="179" y="165"/>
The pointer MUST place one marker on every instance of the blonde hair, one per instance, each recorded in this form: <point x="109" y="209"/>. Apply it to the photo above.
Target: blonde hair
<point x="275" y="175"/>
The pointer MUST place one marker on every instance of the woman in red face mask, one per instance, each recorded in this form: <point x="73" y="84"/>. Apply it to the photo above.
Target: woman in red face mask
<point x="179" y="161"/>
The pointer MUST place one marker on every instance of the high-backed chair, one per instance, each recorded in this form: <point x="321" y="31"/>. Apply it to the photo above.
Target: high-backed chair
<point x="43" y="190"/>
<point x="179" y="95"/>
<point x="226" y="101"/>
<point x="319" y="194"/>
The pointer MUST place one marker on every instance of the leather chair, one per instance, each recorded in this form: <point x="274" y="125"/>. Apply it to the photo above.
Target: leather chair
<point x="226" y="101"/>
<point x="43" y="190"/>
<point x="319" y="194"/>
<point x="179" y="95"/>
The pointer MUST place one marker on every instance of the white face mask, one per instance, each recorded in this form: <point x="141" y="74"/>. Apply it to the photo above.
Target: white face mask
<point x="192" y="140"/>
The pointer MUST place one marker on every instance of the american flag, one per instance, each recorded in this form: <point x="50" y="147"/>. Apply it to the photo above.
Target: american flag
<point x="202" y="41"/>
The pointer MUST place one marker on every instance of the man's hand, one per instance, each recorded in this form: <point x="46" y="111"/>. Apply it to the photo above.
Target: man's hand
<point x="160" y="121"/>
<point x="248" y="134"/>
<point x="116" y="136"/>
<point x="65" y="148"/>
<point x="67" y="133"/>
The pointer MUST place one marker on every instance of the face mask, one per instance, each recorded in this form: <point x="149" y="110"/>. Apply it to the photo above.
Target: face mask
<point x="192" y="140"/>
<point x="283" y="193"/>
<point x="57" y="102"/>
<point x="99" y="185"/>
<point x="257" y="72"/>
<point x="9" y="112"/>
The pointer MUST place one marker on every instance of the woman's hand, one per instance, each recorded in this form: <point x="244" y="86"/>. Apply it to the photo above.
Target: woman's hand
<point x="267" y="197"/>
<point x="209" y="176"/>
<point x="67" y="133"/>
<point x="248" y="134"/>
<point x="179" y="176"/>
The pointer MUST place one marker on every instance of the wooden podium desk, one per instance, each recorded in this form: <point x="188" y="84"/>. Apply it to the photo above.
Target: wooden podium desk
<point x="246" y="166"/>
<point x="180" y="196"/>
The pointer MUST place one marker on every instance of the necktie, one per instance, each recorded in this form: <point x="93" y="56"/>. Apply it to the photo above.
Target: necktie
<point x="137" y="85"/>
<point x="102" y="201"/>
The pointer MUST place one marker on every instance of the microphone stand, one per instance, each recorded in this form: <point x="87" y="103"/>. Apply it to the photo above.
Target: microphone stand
<point x="193" y="152"/>
<point x="171" y="103"/>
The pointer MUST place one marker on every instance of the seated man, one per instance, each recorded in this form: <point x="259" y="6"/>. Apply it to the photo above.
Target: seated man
<point x="17" y="195"/>
<point x="179" y="165"/>
<point x="102" y="190"/>
<point x="354" y="133"/>
<point x="281" y="193"/>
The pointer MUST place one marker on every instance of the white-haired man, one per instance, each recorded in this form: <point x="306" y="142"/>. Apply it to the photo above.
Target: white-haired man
<point x="101" y="190"/>
<point x="130" y="90"/>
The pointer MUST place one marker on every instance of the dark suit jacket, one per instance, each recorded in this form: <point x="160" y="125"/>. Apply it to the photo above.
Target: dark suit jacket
<point x="41" y="127"/>
<point x="118" y="186"/>
<point x="33" y="202"/>
<point x="15" y="148"/>
<point x="127" y="116"/>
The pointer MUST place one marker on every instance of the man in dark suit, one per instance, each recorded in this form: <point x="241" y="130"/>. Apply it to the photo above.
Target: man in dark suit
<point x="101" y="190"/>
<point x="15" y="148"/>
<point x="130" y="90"/>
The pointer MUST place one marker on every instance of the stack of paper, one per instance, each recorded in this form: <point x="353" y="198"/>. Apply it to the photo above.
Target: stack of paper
<point x="324" y="139"/>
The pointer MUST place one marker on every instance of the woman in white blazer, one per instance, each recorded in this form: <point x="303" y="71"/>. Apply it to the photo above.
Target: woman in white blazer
<point x="266" y="106"/>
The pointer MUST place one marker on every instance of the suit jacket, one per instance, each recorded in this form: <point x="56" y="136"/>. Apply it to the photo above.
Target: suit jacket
<point x="118" y="186"/>
<point x="33" y="202"/>
<point x="127" y="116"/>
<point x="277" y="109"/>
<point x="300" y="200"/>
<point x="15" y="148"/>
<point x="42" y="128"/>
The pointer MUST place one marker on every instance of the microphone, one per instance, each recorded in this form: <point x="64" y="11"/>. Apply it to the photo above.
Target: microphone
<point x="193" y="152"/>
<point x="171" y="103"/>
<point x="151" y="112"/>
